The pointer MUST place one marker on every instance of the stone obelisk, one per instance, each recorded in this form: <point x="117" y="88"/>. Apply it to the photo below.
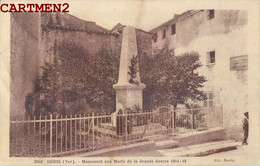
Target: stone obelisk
<point x="128" y="94"/>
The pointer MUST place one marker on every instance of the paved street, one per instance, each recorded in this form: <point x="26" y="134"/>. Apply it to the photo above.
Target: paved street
<point x="219" y="149"/>
<point x="240" y="151"/>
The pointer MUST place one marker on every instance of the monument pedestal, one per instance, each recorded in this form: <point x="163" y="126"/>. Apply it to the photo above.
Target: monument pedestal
<point x="129" y="95"/>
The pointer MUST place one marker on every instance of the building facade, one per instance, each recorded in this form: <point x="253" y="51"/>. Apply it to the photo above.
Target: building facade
<point x="220" y="38"/>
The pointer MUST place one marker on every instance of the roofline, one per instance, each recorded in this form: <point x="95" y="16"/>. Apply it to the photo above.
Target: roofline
<point x="85" y="21"/>
<point x="182" y="16"/>
<point x="78" y="30"/>
<point x="118" y="24"/>
<point x="145" y="31"/>
<point x="78" y="18"/>
<point x="88" y="21"/>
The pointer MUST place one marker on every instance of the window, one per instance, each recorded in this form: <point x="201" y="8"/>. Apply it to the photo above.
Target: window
<point x="211" y="57"/>
<point x="164" y="34"/>
<point x="211" y="14"/>
<point x="209" y="102"/>
<point x="155" y="38"/>
<point x="173" y="29"/>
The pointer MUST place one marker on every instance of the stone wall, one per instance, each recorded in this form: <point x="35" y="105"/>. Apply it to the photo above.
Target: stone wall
<point x="24" y="58"/>
<point x="144" y="42"/>
<point x="91" y="42"/>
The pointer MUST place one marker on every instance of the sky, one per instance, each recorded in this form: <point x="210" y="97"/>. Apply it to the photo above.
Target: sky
<point x="143" y="14"/>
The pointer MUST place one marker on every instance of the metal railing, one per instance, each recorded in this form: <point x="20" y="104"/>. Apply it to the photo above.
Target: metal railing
<point x="51" y="136"/>
<point x="191" y="120"/>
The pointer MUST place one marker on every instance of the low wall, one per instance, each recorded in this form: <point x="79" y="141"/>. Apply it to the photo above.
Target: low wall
<point x="214" y="134"/>
<point x="197" y="137"/>
<point x="116" y="151"/>
<point x="235" y="133"/>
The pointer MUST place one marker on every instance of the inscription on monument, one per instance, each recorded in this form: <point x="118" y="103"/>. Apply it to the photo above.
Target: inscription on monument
<point x="239" y="63"/>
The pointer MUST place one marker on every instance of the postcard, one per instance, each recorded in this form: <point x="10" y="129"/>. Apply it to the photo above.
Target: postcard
<point x="156" y="82"/>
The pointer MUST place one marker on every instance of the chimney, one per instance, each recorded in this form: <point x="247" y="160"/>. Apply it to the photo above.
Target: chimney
<point x="175" y="15"/>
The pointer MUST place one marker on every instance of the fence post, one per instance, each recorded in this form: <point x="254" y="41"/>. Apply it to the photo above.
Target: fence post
<point x="93" y="136"/>
<point x="56" y="134"/>
<point x="154" y="124"/>
<point x="45" y="135"/>
<point x="51" y="135"/>
<point x="222" y="115"/>
<point x="22" y="133"/>
<point x="126" y="127"/>
<point x="40" y="133"/>
<point x="28" y="132"/>
<point x="66" y="138"/>
<point x="207" y="111"/>
<point x="84" y="131"/>
<point x="34" y="136"/>
<point x="75" y="134"/>
<point x="15" y="137"/>
<point x="172" y="117"/>
<point x="192" y="121"/>
<point x="61" y="133"/>
<point x="71" y="133"/>
<point x="80" y="132"/>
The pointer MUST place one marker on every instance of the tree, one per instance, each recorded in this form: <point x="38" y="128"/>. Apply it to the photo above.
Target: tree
<point x="47" y="89"/>
<point x="171" y="79"/>
<point x="60" y="88"/>
<point x="77" y="80"/>
<point x="103" y="77"/>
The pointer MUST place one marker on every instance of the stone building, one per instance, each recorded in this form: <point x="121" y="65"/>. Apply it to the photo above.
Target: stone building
<point x="220" y="38"/>
<point x="35" y="38"/>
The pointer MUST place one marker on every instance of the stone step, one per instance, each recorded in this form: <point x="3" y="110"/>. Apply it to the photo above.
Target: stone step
<point x="200" y="137"/>
<point x="200" y="149"/>
<point x="166" y="144"/>
<point x="113" y="134"/>
<point x="104" y="131"/>
<point x="128" y="150"/>
<point x="160" y="138"/>
<point x="108" y="126"/>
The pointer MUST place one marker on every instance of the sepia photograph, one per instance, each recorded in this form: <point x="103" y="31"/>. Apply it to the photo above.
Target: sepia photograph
<point x="132" y="82"/>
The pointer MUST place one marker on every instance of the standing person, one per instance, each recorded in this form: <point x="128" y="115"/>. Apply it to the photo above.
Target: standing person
<point x="245" y="128"/>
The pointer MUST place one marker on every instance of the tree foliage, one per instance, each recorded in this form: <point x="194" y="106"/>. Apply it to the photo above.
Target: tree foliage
<point x="171" y="79"/>
<point x="104" y="76"/>
<point x="76" y="81"/>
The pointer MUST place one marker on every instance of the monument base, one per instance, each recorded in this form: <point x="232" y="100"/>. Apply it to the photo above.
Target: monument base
<point x="127" y="96"/>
